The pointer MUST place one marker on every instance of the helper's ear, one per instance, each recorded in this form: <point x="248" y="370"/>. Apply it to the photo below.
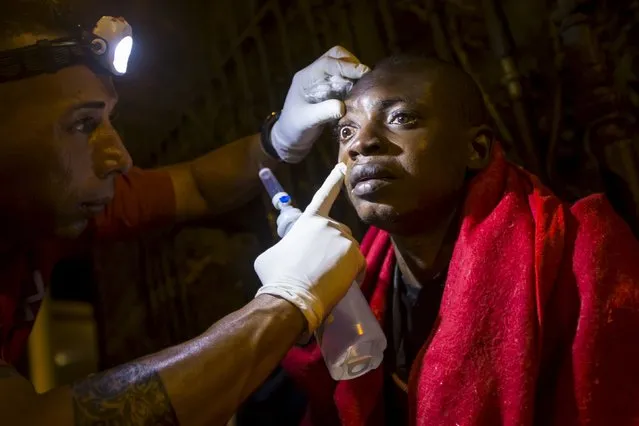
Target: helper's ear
<point x="480" y="142"/>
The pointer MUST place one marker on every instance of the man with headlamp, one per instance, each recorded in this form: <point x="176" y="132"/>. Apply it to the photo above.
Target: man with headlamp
<point x="67" y="178"/>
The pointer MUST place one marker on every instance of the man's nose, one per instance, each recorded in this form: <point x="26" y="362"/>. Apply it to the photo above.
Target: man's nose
<point x="368" y="141"/>
<point x="109" y="154"/>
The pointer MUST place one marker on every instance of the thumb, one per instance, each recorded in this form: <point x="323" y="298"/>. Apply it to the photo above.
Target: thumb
<point x="324" y="112"/>
<point x="339" y="52"/>
<point x="325" y="196"/>
<point x="347" y="68"/>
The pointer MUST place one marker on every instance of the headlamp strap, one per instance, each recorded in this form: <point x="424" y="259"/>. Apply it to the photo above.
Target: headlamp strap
<point x="46" y="56"/>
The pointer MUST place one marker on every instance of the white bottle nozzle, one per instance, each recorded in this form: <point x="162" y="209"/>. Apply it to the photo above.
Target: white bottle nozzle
<point x="281" y="200"/>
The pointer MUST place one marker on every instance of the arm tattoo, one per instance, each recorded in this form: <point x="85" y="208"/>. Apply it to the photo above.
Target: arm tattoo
<point x="132" y="394"/>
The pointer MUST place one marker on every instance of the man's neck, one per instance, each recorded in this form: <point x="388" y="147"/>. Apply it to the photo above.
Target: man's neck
<point x="423" y="256"/>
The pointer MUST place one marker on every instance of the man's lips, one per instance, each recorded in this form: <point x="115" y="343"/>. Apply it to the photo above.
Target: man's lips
<point x="365" y="179"/>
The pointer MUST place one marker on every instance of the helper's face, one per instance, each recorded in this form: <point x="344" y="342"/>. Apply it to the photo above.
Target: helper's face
<point x="406" y="158"/>
<point x="60" y="152"/>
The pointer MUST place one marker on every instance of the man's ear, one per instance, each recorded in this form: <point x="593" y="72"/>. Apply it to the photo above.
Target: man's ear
<point x="480" y="142"/>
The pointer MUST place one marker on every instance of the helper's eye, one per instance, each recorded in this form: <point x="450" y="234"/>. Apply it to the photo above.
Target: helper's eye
<point x="402" y="119"/>
<point x="345" y="132"/>
<point x="86" y="125"/>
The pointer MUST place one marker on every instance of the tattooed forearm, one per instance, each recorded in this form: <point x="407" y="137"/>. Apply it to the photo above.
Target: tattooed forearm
<point x="132" y="394"/>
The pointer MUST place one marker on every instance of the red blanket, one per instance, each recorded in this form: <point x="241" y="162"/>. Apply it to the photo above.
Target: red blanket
<point x="539" y="321"/>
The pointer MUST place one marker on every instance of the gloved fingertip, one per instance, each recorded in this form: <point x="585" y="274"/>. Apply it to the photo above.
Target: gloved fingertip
<point x="326" y="195"/>
<point x="352" y="70"/>
<point x="330" y="110"/>
<point x="363" y="68"/>
<point x="338" y="52"/>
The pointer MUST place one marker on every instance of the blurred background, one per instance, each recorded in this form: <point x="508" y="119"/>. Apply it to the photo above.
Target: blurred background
<point x="560" y="79"/>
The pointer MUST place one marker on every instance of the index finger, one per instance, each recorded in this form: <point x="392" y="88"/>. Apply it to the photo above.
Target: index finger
<point x="325" y="196"/>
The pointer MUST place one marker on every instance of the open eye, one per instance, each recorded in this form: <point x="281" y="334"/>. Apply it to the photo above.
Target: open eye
<point x="403" y="119"/>
<point x="345" y="132"/>
<point x="85" y="125"/>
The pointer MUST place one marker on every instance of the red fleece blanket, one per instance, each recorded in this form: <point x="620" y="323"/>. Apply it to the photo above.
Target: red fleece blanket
<point x="539" y="321"/>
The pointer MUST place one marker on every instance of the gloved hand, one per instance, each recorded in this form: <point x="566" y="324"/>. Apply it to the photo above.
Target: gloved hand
<point x="300" y="122"/>
<point x="316" y="262"/>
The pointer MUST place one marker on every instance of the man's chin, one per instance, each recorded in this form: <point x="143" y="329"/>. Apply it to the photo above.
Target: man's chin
<point x="382" y="216"/>
<point x="72" y="230"/>
<point x="392" y="218"/>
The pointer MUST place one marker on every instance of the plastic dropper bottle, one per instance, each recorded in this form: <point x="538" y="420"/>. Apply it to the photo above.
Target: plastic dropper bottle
<point x="281" y="201"/>
<point x="351" y="340"/>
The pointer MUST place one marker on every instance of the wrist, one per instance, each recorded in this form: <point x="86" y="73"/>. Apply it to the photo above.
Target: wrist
<point x="302" y="299"/>
<point x="266" y="140"/>
<point x="283" y="308"/>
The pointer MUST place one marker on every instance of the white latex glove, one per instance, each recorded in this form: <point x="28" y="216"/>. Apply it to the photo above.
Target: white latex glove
<point x="300" y="122"/>
<point x="316" y="262"/>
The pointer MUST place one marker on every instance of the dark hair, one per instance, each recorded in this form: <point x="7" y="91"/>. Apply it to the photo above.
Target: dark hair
<point x="460" y="94"/>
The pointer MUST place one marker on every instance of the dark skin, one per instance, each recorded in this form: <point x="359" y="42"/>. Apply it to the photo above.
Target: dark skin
<point x="408" y="158"/>
<point x="60" y="158"/>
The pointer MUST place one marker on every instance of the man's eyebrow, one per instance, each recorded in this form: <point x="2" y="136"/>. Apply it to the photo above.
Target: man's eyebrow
<point x="388" y="103"/>
<point x="88" y="105"/>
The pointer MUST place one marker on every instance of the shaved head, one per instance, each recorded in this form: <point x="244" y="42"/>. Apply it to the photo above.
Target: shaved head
<point x="455" y="91"/>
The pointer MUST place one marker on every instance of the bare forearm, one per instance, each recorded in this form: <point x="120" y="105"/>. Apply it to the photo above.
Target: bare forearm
<point x="244" y="348"/>
<point x="201" y="382"/>
<point x="220" y="180"/>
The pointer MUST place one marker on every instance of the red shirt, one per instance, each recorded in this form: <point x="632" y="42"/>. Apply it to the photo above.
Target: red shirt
<point x="143" y="199"/>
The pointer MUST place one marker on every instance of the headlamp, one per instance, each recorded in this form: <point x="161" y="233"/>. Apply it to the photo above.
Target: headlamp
<point x="113" y="43"/>
<point x="107" y="47"/>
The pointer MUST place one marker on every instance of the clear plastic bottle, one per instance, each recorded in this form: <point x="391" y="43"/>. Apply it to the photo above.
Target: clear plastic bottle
<point x="351" y="340"/>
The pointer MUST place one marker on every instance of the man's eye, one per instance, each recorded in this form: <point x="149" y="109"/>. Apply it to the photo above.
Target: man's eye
<point x="86" y="125"/>
<point x="403" y="119"/>
<point x="346" y="132"/>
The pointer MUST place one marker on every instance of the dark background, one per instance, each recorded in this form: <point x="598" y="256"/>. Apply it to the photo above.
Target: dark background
<point x="560" y="79"/>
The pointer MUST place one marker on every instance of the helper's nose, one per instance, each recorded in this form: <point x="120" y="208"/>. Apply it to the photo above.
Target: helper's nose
<point x="109" y="154"/>
<point x="368" y="141"/>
